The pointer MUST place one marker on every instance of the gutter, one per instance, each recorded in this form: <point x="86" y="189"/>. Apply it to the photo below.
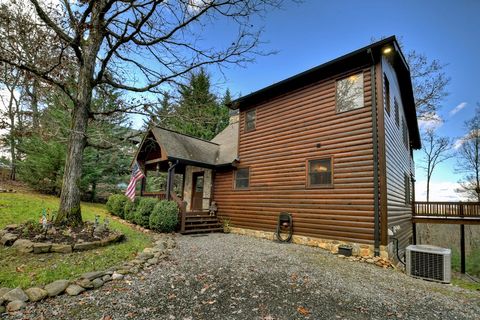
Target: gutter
<point x="376" y="215"/>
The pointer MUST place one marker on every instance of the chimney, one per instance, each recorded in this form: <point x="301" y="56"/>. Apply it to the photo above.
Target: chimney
<point x="234" y="116"/>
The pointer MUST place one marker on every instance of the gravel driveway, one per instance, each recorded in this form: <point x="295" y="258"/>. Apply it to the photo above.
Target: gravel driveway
<point x="226" y="276"/>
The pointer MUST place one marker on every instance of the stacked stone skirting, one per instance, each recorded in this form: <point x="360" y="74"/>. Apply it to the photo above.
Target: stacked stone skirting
<point x="12" y="300"/>
<point x="358" y="249"/>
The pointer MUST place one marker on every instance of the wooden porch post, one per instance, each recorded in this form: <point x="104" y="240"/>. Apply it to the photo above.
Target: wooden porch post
<point x="143" y="182"/>
<point x="462" y="248"/>
<point x="170" y="178"/>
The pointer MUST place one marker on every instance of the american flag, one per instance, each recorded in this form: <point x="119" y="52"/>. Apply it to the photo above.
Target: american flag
<point x="137" y="174"/>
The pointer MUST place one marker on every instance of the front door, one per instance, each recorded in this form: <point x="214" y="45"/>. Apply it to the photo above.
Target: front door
<point x="197" y="192"/>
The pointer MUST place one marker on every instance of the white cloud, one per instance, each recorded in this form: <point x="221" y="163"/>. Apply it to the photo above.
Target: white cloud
<point x="430" y="120"/>
<point x="457" y="108"/>
<point x="439" y="191"/>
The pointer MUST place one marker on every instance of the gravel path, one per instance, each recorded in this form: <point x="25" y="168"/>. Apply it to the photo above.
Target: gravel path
<point x="237" y="277"/>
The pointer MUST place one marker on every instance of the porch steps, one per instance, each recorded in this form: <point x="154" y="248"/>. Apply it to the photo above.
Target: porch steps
<point x="202" y="223"/>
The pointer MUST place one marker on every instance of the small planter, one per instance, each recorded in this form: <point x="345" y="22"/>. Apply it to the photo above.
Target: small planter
<point x="345" y="250"/>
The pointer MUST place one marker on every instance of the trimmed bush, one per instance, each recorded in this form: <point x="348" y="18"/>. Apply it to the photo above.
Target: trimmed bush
<point x="129" y="209"/>
<point x="143" y="211"/>
<point x="164" y="216"/>
<point x="116" y="204"/>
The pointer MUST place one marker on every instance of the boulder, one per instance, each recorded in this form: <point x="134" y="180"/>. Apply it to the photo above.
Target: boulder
<point x="117" y="276"/>
<point x="80" y="246"/>
<point x="16" y="305"/>
<point x="85" y="283"/>
<point x="106" y="278"/>
<point x="97" y="283"/>
<point x="123" y="271"/>
<point x="152" y="261"/>
<point x="61" y="248"/>
<point x="74" y="290"/>
<point x="15" y="294"/>
<point x="56" y="287"/>
<point x="3" y="291"/>
<point x="36" y="294"/>
<point x="93" y="275"/>
<point x="8" y="239"/>
<point x="23" y="245"/>
<point x="145" y="256"/>
<point x="41" y="247"/>
<point x="10" y="227"/>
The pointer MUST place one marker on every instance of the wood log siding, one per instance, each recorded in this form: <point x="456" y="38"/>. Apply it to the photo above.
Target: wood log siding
<point x="288" y="129"/>
<point x="398" y="163"/>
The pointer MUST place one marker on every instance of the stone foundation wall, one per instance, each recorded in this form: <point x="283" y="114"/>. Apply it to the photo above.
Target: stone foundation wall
<point x="359" y="249"/>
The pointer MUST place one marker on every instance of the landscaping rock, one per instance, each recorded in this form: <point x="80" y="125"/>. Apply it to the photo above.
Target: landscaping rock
<point x="36" y="294"/>
<point x="15" y="294"/>
<point x="23" y="245"/>
<point x="16" y="305"/>
<point x="74" y="290"/>
<point x="86" y="245"/>
<point x="2" y="233"/>
<point x="123" y="271"/>
<point x="93" y="275"/>
<point x="3" y="291"/>
<point x="137" y="261"/>
<point x="41" y="247"/>
<point x="144" y="256"/>
<point x="117" y="276"/>
<point x="85" y="283"/>
<point x="107" y="278"/>
<point x="11" y="227"/>
<point x="97" y="283"/>
<point x="57" y="287"/>
<point x="8" y="239"/>
<point x="61" y="248"/>
<point x="153" y="261"/>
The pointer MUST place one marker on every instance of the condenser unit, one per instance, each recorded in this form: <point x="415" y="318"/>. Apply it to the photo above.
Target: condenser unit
<point x="429" y="263"/>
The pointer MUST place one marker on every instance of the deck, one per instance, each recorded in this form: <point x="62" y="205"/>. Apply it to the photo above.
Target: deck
<point x="446" y="212"/>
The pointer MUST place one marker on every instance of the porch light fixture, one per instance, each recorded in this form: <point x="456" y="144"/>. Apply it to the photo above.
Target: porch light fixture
<point x="387" y="50"/>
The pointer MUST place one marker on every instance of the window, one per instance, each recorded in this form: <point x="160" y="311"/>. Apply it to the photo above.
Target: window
<point x="349" y="93"/>
<point x="250" y="119"/>
<point x="407" y="190"/>
<point x="242" y="178"/>
<point x="387" y="94"/>
<point x="405" y="133"/>
<point x="319" y="173"/>
<point x="397" y="112"/>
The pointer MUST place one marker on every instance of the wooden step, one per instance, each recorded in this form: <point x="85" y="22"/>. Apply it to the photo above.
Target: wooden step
<point x="200" y="219"/>
<point x="192" y="231"/>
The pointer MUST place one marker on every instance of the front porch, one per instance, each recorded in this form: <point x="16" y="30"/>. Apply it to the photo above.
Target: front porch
<point x="181" y="168"/>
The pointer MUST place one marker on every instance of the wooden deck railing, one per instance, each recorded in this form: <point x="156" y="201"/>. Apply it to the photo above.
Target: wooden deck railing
<point x="448" y="209"/>
<point x="182" y="210"/>
<point x="159" y="195"/>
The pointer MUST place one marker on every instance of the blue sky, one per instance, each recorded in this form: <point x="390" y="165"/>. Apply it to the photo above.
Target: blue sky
<point x="313" y="32"/>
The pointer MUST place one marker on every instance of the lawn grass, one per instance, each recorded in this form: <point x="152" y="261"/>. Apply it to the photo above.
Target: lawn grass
<point x="27" y="270"/>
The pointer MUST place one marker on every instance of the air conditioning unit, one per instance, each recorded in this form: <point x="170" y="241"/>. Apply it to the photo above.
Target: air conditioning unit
<point x="429" y="263"/>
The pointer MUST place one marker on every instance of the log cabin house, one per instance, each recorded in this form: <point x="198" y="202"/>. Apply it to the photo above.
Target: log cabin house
<point x="332" y="145"/>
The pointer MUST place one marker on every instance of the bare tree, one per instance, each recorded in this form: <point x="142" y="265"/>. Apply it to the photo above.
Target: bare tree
<point x="429" y="83"/>
<point x="469" y="158"/>
<point x="435" y="150"/>
<point x="138" y="46"/>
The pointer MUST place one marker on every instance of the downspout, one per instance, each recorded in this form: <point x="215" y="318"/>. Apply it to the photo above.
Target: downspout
<point x="169" y="179"/>
<point x="376" y="216"/>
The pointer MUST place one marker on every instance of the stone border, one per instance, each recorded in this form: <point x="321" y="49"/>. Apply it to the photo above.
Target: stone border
<point x="358" y="249"/>
<point x="27" y="246"/>
<point x="12" y="300"/>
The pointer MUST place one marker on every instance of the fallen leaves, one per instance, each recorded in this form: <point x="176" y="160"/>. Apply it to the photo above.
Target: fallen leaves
<point x="303" y="311"/>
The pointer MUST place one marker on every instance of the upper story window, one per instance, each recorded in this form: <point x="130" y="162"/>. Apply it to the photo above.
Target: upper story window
<point x="250" y="120"/>
<point x="405" y="133"/>
<point x="387" y="94"/>
<point x="242" y="178"/>
<point x="349" y="93"/>
<point x="319" y="173"/>
<point x="397" y="112"/>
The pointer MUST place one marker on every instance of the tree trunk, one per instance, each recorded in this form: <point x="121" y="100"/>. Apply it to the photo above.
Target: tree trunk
<point x="35" y="121"/>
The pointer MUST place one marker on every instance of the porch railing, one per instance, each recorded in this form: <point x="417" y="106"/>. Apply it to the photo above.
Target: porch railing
<point x="448" y="209"/>
<point x="159" y="195"/>
<point x="182" y="210"/>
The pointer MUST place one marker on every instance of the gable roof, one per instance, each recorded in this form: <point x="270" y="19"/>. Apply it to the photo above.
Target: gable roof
<point x="222" y="150"/>
<point x="365" y="56"/>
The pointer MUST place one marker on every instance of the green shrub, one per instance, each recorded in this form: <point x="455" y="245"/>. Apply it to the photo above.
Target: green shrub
<point x="129" y="209"/>
<point x="143" y="211"/>
<point x="164" y="216"/>
<point x="116" y="204"/>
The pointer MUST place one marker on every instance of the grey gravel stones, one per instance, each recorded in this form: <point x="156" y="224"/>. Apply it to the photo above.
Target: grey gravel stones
<point x="57" y="287"/>
<point x="36" y="294"/>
